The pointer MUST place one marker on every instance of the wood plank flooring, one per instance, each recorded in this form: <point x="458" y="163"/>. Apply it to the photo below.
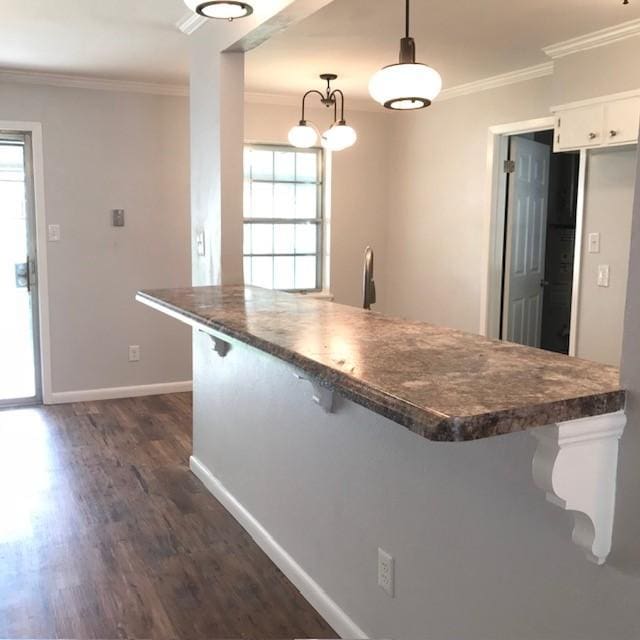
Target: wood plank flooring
<point x="104" y="533"/>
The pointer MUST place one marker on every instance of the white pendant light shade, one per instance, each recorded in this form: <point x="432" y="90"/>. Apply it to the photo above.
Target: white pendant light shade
<point x="405" y="86"/>
<point x="220" y="9"/>
<point x="339" y="137"/>
<point x="303" y="135"/>
<point x="408" y="84"/>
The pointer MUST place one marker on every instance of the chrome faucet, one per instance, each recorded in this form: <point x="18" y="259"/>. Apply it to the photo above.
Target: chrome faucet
<point x="369" y="284"/>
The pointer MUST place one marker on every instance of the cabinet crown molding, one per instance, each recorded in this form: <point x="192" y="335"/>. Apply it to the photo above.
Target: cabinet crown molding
<point x="594" y="39"/>
<point x="588" y="102"/>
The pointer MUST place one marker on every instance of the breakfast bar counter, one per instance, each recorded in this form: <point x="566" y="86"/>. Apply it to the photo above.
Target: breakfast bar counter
<point x="263" y="359"/>
<point x="441" y="383"/>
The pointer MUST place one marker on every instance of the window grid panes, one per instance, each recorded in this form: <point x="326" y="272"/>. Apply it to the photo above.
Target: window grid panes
<point x="283" y="222"/>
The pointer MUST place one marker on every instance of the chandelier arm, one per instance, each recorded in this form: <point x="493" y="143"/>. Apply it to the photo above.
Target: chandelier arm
<point x="334" y="93"/>
<point x="308" y="94"/>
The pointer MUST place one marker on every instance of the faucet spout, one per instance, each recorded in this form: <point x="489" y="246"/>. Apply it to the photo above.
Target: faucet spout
<point x="369" y="287"/>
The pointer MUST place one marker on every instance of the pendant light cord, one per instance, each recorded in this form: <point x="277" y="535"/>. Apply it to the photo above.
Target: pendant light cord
<point x="407" y="20"/>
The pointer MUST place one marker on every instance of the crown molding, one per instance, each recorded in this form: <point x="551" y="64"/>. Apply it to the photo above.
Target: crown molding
<point x="190" y="23"/>
<point x="588" y="102"/>
<point x="84" y="82"/>
<point x="594" y="39"/>
<point x="290" y="100"/>
<point x="493" y="82"/>
<point x="282" y="99"/>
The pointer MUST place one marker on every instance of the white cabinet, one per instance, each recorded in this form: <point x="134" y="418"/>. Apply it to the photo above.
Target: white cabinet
<point x="622" y="121"/>
<point x="578" y="128"/>
<point x="599" y="123"/>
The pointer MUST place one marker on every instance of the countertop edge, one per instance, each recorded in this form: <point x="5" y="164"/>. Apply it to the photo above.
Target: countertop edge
<point x="420" y="420"/>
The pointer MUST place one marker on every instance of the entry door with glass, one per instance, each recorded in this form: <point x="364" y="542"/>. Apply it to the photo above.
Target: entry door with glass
<point x="19" y="343"/>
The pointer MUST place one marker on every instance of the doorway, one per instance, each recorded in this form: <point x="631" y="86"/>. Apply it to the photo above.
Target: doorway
<point x="20" y="380"/>
<point x="541" y="207"/>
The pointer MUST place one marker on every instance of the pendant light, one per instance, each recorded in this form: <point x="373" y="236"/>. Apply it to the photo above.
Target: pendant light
<point x="338" y="136"/>
<point x="220" y="9"/>
<point x="408" y="84"/>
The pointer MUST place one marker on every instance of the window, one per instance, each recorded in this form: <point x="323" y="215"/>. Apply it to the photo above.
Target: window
<point x="283" y="217"/>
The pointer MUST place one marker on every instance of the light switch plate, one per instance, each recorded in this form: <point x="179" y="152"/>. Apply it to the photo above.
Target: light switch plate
<point x="603" y="275"/>
<point x="53" y="232"/>
<point x="117" y="217"/>
<point x="386" y="572"/>
<point x="594" y="243"/>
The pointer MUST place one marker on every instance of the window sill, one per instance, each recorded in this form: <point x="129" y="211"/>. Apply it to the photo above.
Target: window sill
<point x="318" y="295"/>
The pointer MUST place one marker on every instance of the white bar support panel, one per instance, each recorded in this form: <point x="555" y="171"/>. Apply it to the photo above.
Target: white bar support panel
<point x="576" y="464"/>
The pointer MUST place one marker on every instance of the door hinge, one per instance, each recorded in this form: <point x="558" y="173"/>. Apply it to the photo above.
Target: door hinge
<point x="509" y="166"/>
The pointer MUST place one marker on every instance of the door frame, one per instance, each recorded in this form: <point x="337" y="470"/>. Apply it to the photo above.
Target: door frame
<point x="495" y="220"/>
<point x="34" y="129"/>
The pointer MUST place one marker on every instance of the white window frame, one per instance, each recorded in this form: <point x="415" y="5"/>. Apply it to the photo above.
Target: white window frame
<point x="319" y="220"/>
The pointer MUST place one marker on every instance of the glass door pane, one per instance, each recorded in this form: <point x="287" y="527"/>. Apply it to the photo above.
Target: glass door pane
<point x="18" y="378"/>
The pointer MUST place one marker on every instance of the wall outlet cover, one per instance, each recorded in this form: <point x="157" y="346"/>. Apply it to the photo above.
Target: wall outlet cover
<point x="53" y="232"/>
<point x="134" y="353"/>
<point x="386" y="572"/>
<point x="603" y="275"/>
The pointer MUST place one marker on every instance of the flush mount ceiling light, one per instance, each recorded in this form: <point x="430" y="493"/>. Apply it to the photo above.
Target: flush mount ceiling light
<point x="409" y="84"/>
<point x="220" y="9"/>
<point x="338" y="136"/>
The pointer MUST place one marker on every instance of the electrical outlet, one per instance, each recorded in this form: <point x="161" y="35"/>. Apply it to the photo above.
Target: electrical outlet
<point x="53" y="232"/>
<point x="134" y="353"/>
<point x="386" y="572"/>
<point x="594" y="243"/>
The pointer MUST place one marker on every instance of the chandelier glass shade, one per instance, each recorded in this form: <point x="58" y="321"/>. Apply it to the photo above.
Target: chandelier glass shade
<point x="303" y="135"/>
<point x="339" y="136"/>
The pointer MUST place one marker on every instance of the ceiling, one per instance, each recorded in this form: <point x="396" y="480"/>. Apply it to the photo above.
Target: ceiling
<point x="465" y="40"/>
<point x="115" y="39"/>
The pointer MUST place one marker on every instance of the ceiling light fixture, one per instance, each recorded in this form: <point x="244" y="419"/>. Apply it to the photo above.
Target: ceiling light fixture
<point x="338" y="136"/>
<point x="220" y="9"/>
<point x="409" y="84"/>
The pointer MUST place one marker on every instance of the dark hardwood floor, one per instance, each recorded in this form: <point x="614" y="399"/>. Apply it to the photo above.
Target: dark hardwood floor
<point x="104" y="533"/>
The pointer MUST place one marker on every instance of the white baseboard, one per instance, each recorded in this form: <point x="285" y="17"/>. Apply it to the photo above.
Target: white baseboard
<point x="309" y="588"/>
<point x="111" y="393"/>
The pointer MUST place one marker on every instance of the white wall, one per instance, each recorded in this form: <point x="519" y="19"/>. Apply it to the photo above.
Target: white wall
<point x="436" y="225"/>
<point x="360" y="183"/>
<point x="480" y="554"/>
<point x="608" y="209"/>
<point x="626" y="551"/>
<point x="106" y="150"/>
<point x="597" y="72"/>
<point x="438" y="192"/>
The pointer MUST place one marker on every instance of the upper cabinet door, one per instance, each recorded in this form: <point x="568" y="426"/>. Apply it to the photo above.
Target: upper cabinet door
<point x="622" y="121"/>
<point x="578" y="128"/>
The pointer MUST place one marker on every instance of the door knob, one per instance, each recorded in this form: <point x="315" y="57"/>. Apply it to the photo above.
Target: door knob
<point x="22" y="275"/>
<point x="544" y="283"/>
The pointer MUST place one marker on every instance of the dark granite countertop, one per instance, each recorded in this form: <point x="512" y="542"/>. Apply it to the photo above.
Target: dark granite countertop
<point x="441" y="383"/>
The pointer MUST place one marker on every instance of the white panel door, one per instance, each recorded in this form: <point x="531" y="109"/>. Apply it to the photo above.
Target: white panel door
<point x="526" y="242"/>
